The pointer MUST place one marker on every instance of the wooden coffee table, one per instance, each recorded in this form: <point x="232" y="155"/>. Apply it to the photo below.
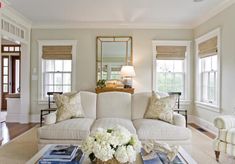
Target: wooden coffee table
<point x="183" y="155"/>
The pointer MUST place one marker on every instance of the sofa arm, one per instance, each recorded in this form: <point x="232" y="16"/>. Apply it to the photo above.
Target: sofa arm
<point x="50" y="118"/>
<point x="224" y="122"/>
<point x="179" y="120"/>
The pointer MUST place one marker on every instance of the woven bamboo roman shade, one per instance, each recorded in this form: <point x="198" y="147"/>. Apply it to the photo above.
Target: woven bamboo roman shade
<point x="208" y="47"/>
<point x="57" y="52"/>
<point x="171" y="52"/>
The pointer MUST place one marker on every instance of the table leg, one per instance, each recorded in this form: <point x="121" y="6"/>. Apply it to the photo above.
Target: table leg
<point x="186" y="118"/>
<point x="41" y="119"/>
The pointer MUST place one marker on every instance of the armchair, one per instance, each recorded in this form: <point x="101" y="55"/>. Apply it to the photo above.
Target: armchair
<point x="225" y="140"/>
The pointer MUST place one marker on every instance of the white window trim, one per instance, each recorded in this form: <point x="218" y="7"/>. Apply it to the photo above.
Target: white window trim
<point x="198" y="102"/>
<point x="42" y="43"/>
<point x="186" y="43"/>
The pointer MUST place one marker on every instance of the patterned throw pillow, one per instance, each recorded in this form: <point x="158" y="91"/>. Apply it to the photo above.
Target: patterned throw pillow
<point x="68" y="106"/>
<point x="161" y="108"/>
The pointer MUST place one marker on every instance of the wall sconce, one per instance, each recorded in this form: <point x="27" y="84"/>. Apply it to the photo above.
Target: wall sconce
<point x="127" y="72"/>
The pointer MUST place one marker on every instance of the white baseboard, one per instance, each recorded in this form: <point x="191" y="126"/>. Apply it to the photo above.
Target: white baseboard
<point x="35" y="118"/>
<point x="24" y="118"/>
<point x="203" y="124"/>
<point x="12" y="117"/>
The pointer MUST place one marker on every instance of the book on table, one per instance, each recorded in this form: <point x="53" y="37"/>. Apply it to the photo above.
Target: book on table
<point x="62" y="154"/>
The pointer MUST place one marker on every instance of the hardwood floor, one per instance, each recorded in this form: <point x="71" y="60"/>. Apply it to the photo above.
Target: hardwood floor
<point x="212" y="136"/>
<point x="12" y="130"/>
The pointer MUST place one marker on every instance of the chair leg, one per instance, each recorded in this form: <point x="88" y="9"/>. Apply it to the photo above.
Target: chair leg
<point x="217" y="153"/>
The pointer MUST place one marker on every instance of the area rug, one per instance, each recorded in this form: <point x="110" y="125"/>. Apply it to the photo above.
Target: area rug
<point x="20" y="149"/>
<point x="23" y="147"/>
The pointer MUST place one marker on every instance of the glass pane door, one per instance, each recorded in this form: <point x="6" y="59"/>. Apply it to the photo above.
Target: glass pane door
<point x="5" y="81"/>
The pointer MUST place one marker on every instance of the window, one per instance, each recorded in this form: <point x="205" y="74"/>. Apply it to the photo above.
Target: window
<point x="172" y="64"/>
<point x="115" y="72"/>
<point x="57" y="76"/>
<point x="11" y="48"/>
<point x="57" y="62"/>
<point x="111" y="71"/>
<point x="170" y="76"/>
<point x="208" y="71"/>
<point x="209" y="79"/>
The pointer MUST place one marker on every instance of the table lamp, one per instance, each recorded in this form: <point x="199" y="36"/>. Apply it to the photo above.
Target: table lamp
<point x="127" y="72"/>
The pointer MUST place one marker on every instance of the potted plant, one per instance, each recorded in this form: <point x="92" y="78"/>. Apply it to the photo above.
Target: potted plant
<point x="101" y="83"/>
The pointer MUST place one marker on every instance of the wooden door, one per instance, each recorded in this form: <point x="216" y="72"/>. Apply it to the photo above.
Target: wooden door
<point x="5" y="81"/>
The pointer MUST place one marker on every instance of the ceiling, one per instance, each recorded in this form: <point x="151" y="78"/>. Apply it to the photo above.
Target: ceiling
<point x="127" y="12"/>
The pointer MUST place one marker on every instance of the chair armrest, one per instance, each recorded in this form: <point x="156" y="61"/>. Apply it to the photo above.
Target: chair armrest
<point x="224" y="122"/>
<point x="179" y="120"/>
<point x="50" y="118"/>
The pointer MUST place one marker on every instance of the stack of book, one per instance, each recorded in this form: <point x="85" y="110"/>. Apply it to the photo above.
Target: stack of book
<point x="62" y="154"/>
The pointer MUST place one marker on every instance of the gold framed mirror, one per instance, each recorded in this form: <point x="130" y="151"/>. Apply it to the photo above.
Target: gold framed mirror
<point x="112" y="52"/>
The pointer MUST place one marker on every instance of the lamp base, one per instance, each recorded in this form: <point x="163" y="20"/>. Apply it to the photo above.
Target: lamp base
<point x="127" y="86"/>
<point x="127" y="82"/>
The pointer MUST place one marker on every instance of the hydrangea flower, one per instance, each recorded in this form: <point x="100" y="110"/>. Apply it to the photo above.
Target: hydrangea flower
<point x="117" y="143"/>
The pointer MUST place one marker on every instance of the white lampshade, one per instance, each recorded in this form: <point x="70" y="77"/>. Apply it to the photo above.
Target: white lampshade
<point x="127" y="71"/>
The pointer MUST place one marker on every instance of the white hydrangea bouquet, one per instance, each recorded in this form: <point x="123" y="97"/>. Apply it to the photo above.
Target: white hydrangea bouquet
<point x="116" y="145"/>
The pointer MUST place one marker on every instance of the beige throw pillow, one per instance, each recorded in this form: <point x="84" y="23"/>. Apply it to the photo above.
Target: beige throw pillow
<point x="161" y="108"/>
<point x="68" y="106"/>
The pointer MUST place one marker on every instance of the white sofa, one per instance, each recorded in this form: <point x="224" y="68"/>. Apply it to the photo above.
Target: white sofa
<point x="109" y="109"/>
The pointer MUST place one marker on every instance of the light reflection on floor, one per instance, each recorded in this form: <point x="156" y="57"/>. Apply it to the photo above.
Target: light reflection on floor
<point x="5" y="133"/>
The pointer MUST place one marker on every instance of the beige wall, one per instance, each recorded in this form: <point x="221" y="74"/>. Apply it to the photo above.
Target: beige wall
<point x="224" y="20"/>
<point x="142" y="54"/>
<point x="86" y="54"/>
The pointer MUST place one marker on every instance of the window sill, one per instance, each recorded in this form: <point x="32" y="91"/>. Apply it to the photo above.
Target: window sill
<point x="208" y="106"/>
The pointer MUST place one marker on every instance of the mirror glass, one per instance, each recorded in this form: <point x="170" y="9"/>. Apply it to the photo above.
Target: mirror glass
<point x="112" y="54"/>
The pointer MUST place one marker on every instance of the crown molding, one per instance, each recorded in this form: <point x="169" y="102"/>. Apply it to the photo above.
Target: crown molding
<point x="15" y="16"/>
<point x="111" y="25"/>
<point x="5" y="2"/>
<point x="213" y="12"/>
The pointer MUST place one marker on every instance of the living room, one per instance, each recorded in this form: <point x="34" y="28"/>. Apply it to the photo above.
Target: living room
<point x="183" y="48"/>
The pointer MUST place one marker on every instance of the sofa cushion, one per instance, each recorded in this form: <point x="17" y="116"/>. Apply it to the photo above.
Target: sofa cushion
<point x="88" y="100"/>
<point x="140" y="102"/>
<point x="68" y="106"/>
<point x="159" y="130"/>
<point x="112" y="122"/>
<point x="72" y="129"/>
<point x="114" y="105"/>
<point x="227" y="135"/>
<point x="161" y="108"/>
